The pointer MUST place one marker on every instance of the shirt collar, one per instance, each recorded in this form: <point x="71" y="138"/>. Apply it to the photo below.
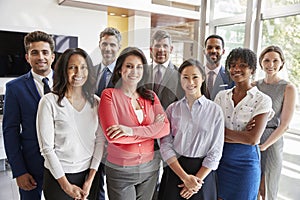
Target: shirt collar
<point x="166" y="64"/>
<point x="110" y="66"/>
<point x="251" y="92"/>
<point x="207" y="70"/>
<point x="200" y="100"/>
<point x="39" y="77"/>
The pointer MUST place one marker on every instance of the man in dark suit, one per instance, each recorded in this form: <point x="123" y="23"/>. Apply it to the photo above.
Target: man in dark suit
<point x="216" y="77"/>
<point x="166" y="85"/>
<point x="19" y="119"/>
<point x="109" y="44"/>
<point x="163" y="78"/>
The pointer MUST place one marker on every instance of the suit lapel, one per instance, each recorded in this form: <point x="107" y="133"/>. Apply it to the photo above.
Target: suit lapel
<point x="29" y="82"/>
<point x="168" y="74"/>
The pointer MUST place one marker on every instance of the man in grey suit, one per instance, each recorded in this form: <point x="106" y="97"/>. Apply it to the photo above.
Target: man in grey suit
<point x="216" y="77"/>
<point x="163" y="77"/>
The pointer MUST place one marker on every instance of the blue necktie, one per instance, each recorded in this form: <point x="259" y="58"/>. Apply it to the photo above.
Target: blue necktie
<point x="102" y="82"/>
<point x="46" y="85"/>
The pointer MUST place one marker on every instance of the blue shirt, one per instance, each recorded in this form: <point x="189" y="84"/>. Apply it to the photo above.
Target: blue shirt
<point x="196" y="133"/>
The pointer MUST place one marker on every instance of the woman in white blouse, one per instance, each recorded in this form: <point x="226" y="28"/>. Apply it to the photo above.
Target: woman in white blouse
<point x="69" y="134"/>
<point x="239" y="169"/>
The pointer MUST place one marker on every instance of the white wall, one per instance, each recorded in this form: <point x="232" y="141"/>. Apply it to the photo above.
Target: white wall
<point x="48" y="16"/>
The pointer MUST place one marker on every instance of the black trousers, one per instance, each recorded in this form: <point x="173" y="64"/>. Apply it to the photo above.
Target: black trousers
<point x="52" y="189"/>
<point x="169" y="189"/>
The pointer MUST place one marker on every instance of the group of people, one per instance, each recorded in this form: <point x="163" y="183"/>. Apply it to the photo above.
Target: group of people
<point x="214" y="128"/>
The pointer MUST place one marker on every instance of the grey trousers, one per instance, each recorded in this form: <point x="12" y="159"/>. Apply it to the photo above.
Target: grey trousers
<point x="132" y="182"/>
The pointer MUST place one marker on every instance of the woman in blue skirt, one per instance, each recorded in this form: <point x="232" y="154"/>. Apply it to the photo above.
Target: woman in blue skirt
<point x="239" y="168"/>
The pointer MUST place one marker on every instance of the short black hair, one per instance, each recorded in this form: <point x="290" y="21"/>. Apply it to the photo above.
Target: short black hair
<point x="217" y="37"/>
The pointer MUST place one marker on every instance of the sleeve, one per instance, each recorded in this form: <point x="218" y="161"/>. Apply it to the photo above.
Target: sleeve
<point x="265" y="106"/>
<point x="99" y="148"/>
<point x="154" y="130"/>
<point x="214" y="153"/>
<point x="11" y="132"/>
<point x="166" y="143"/>
<point x="46" y="136"/>
<point x="108" y="117"/>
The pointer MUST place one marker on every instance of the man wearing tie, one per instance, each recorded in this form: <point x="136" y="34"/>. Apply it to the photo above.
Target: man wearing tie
<point x="216" y="77"/>
<point x="109" y="44"/>
<point x="19" y="118"/>
<point x="163" y="77"/>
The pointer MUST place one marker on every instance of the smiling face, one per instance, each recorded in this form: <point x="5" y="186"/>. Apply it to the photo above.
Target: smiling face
<point x="161" y="50"/>
<point x="240" y="71"/>
<point x="132" y="70"/>
<point x="77" y="71"/>
<point x="213" y="52"/>
<point x="109" y="47"/>
<point x="40" y="57"/>
<point x="191" y="81"/>
<point x="271" y="63"/>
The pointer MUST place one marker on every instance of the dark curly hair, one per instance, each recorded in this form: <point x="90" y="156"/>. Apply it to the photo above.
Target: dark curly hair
<point x="245" y="55"/>
<point x="60" y="81"/>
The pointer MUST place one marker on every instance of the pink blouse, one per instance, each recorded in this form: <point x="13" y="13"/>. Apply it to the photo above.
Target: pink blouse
<point x="115" y="108"/>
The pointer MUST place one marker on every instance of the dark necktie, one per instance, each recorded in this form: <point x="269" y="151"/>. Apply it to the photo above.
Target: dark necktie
<point x="102" y="82"/>
<point x="46" y="85"/>
<point x="157" y="78"/>
<point x="210" y="83"/>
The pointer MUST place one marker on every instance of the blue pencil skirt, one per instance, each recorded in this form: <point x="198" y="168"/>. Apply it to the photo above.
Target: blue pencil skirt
<point x="239" y="172"/>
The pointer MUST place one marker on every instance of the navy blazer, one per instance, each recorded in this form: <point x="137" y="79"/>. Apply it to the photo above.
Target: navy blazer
<point x="222" y="82"/>
<point x="19" y="126"/>
<point x="170" y="89"/>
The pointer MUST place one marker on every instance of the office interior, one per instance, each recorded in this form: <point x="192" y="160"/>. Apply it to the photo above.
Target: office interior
<point x="253" y="24"/>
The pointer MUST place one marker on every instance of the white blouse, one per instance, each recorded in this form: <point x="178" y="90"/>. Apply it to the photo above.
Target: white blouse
<point x="255" y="103"/>
<point x="71" y="141"/>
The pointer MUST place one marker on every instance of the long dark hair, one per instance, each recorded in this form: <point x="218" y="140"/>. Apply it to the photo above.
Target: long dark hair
<point x="116" y="76"/>
<point x="60" y="81"/>
<point x="196" y="63"/>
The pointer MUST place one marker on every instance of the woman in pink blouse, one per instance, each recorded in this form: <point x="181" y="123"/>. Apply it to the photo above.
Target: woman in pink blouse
<point x="131" y="117"/>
